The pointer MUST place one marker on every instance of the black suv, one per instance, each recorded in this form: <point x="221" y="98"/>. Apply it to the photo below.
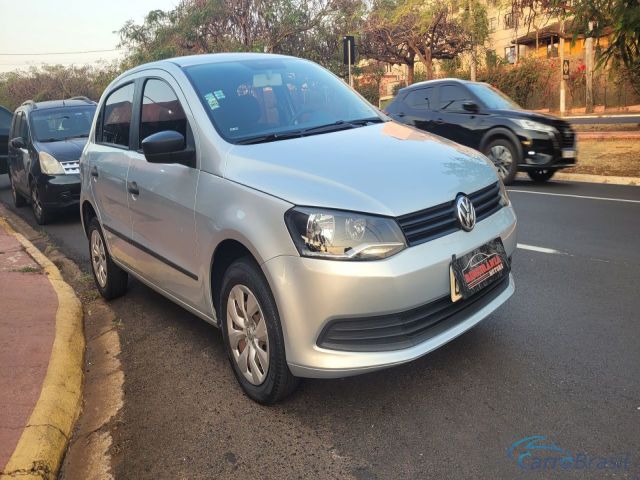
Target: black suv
<point x="479" y="116"/>
<point x="5" y="124"/>
<point x="47" y="139"/>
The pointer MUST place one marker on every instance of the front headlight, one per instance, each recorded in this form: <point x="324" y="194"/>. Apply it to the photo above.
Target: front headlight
<point x="504" y="198"/>
<point x="537" y="126"/>
<point x="49" y="165"/>
<point x="338" y="235"/>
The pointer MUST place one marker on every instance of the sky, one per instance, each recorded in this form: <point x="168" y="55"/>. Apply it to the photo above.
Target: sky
<point x="55" y="26"/>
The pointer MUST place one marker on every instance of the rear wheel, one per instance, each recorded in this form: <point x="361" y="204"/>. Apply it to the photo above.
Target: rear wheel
<point x="40" y="212"/>
<point x="253" y="335"/>
<point x="110" y="279"/>
<point x="541" y="175"/>
<point x="504" y="156"/>
<point x="18" y="199"/>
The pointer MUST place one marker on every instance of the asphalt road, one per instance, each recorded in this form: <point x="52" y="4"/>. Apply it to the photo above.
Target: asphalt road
<point x="609" y="119"/>
<point x="561" y="360"/>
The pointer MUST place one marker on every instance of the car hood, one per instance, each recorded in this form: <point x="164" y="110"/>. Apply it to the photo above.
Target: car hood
<point x="534" y="116"/>
<point x="388" y="169"/>
<point x="64" y="150"/>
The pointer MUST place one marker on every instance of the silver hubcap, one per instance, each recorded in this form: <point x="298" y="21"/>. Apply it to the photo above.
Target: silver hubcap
<point x="99" y="258"/>
<point x="502" y="159"/>
<point x="248" y="336"/>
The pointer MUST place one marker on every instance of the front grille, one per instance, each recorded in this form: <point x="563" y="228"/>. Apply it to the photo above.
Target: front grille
<point x="435" y="222"/>
<point x="71" y="167"/>
<point x="568" y="137"/>
<point x="405" y="329"/>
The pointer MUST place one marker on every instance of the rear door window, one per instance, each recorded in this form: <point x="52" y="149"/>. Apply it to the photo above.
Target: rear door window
<point x="116" y="117"/>
<point x="421" y="99"/>
<point x="452" y="97"/>
<point x="161" y="110"/>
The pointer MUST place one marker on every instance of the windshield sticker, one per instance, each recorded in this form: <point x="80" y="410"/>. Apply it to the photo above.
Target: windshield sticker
<point x="219" y="94"/>
<point x="212" y="101"/>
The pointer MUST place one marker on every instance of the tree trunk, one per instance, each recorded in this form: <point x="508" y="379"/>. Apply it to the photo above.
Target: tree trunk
<point x="410" y="70"/>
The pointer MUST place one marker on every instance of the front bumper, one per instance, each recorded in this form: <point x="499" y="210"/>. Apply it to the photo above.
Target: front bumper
<point x="541" y="150"/>
<point x="310" y="293"/>
<point x="59" y="191"/>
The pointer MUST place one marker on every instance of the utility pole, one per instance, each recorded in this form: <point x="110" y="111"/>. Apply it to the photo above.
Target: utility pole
<point x="474" y="60"/>
<point x="562" y="81"/>
<point x="589" y="60"/>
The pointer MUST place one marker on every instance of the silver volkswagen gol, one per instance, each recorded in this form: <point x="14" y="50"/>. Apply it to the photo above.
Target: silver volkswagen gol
<point x="268" y="198"/>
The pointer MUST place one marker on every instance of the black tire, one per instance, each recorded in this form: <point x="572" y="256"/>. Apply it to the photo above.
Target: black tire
<point x="278" y="382"/>
<point x="18" y="200"/>
<point x="541" y="175"/>
<point x="115" y="279"/>
<point x="507" y="172"/>
<point x="40" y="213"/>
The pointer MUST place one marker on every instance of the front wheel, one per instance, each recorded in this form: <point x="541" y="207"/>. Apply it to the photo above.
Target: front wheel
<point x="40" y="212"/>
<point x="253" y="335"/>
<point x="110" y="279"/>
<point x="540" y="175"/>
<point x="505" y="158"/>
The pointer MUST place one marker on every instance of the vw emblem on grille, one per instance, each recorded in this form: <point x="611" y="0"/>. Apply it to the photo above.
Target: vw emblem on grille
<point x="466" y="213"/>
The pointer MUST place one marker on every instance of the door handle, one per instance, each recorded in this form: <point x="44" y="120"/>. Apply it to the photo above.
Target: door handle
<point x="438" y="121"/>
<point x="94" y="171"/>
<point x="132" y="188"/>
<point x="401" y="114"/>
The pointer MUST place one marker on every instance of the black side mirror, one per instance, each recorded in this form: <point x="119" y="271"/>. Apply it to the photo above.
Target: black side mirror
<point x="168" y="146"/>
<point x="18" y="142"/>
<point x="471" y="107"/>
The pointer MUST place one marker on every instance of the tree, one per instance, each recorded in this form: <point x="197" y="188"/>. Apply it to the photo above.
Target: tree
<point x="383" y="38"/>
<point x="399" y="31"/>
<point x="308" y="28"/>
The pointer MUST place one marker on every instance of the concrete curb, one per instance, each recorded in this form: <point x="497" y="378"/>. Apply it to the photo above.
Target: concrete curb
<point x="41" y="447"/>
<point x="607" y="136"/>
<point x="583" y="177"/>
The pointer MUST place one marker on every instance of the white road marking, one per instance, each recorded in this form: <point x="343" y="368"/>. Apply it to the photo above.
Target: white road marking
<point x="533" y="248"/>
<point x="574" y="196"/>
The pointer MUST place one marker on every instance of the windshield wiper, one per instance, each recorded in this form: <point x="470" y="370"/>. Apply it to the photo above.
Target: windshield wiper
<point x="49" y="140"/>
<point x="82" y="135"/>
<point x="330" y="127"/>
<point x="341" y="125"/>
<point x="271" y="137"/>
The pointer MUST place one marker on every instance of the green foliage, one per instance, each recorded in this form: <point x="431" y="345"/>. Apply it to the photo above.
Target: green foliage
<point x="311" y="29"/>
<point x="54" y="82"/>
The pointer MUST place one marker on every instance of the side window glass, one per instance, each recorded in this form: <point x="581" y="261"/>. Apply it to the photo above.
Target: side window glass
<point x="116" y="120"/>
<point x="15" y="126"/>
<point x="23" y="127"/>
<point x="452" y="97"/>
<point x="421" y="99"/>
<point x="161" y="110"/>
<point x="5" y="119"/>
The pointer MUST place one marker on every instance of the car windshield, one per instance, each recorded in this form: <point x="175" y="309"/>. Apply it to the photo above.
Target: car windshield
<point x="493" y="98"/>
<point x="64" y="123"/>
<point x="270" y="99"/>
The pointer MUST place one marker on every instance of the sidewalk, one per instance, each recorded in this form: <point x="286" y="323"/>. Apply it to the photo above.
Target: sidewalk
<point x="28" y="306"/>
<point x="41" y="360"/>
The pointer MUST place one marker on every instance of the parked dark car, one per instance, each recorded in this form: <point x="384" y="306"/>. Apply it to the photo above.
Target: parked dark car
<point x="47" y="139"/>
<point x="5" y="125"/>
<point x="480" y="116"/>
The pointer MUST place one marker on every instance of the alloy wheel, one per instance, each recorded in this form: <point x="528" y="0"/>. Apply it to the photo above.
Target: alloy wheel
<point x="99" y="258"/>
<point x="502" y="159"/>
<point x="247" y="332"/>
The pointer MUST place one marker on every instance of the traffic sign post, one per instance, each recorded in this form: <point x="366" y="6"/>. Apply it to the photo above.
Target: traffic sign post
<point x="349" y="53"/>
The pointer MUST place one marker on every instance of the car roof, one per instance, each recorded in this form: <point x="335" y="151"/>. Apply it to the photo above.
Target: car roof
<point x="29" y="104"/>
<point x="433" y="83"/>
<point x="190" y="60"/>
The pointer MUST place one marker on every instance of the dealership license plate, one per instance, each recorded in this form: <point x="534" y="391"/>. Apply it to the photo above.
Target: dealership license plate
<point x="477" y="269"/>
<point x="568" y="153"/>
